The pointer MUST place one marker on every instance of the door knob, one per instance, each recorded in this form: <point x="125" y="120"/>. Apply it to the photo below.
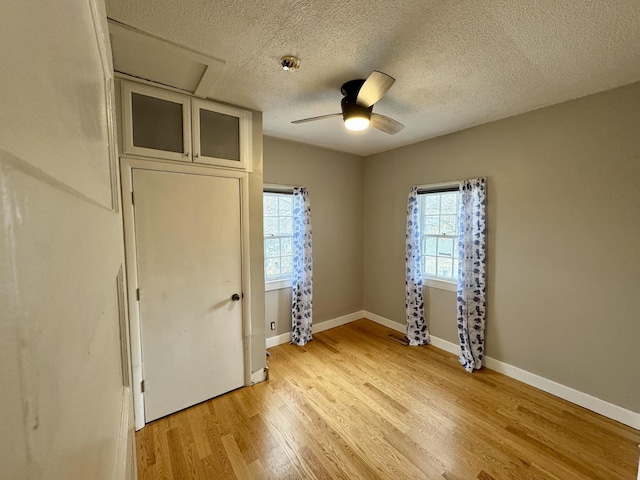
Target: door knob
<point x="235" y="297"/>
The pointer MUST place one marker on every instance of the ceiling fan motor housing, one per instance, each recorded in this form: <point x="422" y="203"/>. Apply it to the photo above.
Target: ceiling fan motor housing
<point x="351" y="109"/>
<point x="352" y="87"/>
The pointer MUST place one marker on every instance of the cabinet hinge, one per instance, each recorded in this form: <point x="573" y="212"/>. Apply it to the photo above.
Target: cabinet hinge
<point x="142" y="386"/>
<point x="138" y="294"/>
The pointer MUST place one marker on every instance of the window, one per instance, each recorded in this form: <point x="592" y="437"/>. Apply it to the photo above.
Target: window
<point x="439" y="234"/>
<point x="278" y="242"/>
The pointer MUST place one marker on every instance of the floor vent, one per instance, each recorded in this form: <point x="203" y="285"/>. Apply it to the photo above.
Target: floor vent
<point x="399" y="339"/>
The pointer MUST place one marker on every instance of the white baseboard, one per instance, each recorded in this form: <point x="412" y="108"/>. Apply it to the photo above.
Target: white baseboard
<point x="279" y="340"/>
<point x="318" y="327"/>
<point x="385" y="321"/>
<point x="337" y="322"/>
<point x="445" y="345"/>
<point x="585" y="400"/>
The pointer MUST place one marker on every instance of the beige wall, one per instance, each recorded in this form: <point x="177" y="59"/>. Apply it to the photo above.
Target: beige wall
<point x="563" y="228"/>
<point x="334" y="181"/>
<point x="61" y="253"/>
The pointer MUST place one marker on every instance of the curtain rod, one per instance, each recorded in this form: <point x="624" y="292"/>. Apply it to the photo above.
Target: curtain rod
<point x="273" y="188"/>
<point x="451" y="185"/>
<point x="440" y="187"/>
<point x="439" y="184"/>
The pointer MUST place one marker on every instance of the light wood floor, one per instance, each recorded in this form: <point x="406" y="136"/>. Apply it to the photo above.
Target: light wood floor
<point x="355" y="404"/>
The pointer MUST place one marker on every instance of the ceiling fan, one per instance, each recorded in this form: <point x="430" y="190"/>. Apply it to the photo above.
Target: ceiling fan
<point x="357" y="104"/>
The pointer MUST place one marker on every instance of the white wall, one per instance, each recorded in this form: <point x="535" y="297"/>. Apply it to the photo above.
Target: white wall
<point x="65" y="412"/>
<point x="563" y="227"/>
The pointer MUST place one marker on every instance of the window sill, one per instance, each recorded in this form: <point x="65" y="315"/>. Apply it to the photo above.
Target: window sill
<point x="451" y="286"/>
<point x="277" y="285"/>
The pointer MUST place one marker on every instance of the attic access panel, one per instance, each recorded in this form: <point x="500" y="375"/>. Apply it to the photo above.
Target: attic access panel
<point x="141" y="55"/>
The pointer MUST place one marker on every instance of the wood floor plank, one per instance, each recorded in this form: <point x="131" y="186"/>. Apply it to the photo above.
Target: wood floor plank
<point x="146" y="448"/>
<point x="190" y="452"/>
<point x="233" y="421"/>
<point x="235" y="457"/>
<point x="163" y="457"/>
<point x="218" y="462"/>
<point x="198" y="427"/>
<point x="257" y="471"/>
<point x="269" y="449"/>
<point x="177" y="456"/>
<point x="357" y="404"/>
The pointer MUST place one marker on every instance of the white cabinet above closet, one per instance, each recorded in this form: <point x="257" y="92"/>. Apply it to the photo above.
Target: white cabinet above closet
<point x="168" y="125"/>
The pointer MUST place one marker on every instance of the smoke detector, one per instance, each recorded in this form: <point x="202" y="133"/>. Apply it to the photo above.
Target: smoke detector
<point x="289" y="63"/>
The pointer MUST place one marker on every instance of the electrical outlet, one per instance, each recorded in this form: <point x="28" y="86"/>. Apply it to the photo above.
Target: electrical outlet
<point x="273" y="325"/>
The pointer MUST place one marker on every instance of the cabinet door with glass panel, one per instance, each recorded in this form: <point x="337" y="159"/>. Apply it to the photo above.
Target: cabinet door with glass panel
<point x="156" y="123"/>
<point x="221" y="134"/>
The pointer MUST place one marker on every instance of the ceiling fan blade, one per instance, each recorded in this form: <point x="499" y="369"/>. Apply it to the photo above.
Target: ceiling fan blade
<point x="385" y="124"/>
<point x="374" y="88"/>
<point x="321" y="117"/>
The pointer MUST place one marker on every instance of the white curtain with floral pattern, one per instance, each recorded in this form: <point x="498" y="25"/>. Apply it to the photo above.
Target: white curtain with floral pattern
<point x="302" y="292"/>
<point x="472" y="276"/>
<point x="417" y="332"/>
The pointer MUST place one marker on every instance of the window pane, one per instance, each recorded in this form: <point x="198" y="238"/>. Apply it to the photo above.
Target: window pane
<point x="286" y="226"/>
<point x="448" y="203"/>
<point x="445" y="267"/>
<point x="286" y="246"/>
<point x="287" y="265"/>
<point x="429" y="245"/>
<point x="271" y="247"/>
<point x="286" y="205"/>
<point x="439" y="213"/>
<point x="430" y="265"/>
<point x="270" y="226"/>
<point x="447" y="225"/>
<point x="278" y="230"/>
<point x="432" y="225"/>
<point x="445" y="247"/>
<point x="270" y="205"/>
<point x="272" y="267"/>
<point x="432" y="204"/>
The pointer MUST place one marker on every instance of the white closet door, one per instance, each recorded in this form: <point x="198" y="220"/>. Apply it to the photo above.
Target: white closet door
<point x="189" y="252"/>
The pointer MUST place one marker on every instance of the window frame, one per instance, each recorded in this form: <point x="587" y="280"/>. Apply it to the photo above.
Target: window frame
<point x="283" y="282"/>
<point x="435" y="281"/>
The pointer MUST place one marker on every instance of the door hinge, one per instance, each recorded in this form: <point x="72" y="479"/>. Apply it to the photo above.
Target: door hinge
<point x="138" y="294"/>
<point x="142" y="386"/>
<point x="133" y="199"/>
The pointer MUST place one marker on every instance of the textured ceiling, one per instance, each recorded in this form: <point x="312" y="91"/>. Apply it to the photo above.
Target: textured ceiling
<point x="456" y="63"/>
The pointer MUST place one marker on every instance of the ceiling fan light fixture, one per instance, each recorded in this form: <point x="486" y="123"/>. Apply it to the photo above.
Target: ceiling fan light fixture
<point x="356" y="123"/>
<point x="356" y="117"/>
